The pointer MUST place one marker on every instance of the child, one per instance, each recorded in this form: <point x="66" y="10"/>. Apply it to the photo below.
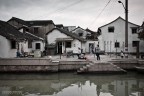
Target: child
<point x="122" y="54"/>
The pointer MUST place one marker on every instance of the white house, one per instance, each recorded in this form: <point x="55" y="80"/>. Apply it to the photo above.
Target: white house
<point x="90" y="36"/>
<point x="12" y="40"/>
<point x="82" y="33"/>
<point x="65" y="41"/>
<point x="32" y="41"/>
<point x="112" y="38"/>
<point x="9" y="40"/>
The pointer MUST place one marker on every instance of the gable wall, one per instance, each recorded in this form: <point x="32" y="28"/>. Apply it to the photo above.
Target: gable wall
<point x="51" y="37"/>
<point x="79" y="30"/>
<point x="5" y="48"/>
<point x="119" y="35"/>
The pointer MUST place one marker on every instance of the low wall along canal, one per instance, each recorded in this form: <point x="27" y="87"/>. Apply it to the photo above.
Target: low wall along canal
<point x="47" y="65"/>
<point x="38" y="65"/>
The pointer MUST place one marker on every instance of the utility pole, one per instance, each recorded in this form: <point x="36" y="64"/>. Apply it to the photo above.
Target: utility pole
<point x="126" y="28"/>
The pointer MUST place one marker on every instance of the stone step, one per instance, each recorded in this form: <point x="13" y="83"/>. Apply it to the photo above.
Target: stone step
<point x="100" y="67"/>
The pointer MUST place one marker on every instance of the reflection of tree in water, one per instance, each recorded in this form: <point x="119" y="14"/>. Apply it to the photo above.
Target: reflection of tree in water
<point x="98" y="88"/>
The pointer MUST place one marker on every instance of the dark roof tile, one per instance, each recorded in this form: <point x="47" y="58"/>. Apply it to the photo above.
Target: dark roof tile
<point x="32" y="22"/>
<point x="10" y="32"/>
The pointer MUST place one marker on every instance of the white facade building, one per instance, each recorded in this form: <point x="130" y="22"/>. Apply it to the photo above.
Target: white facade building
<point x="65" y="41"/>
<point x="91" y="43"/>
<point x="12" y="41"/>
<point x="36" y="42"/>
<point x="6" y="51"/>
<point x="112" y="38"/>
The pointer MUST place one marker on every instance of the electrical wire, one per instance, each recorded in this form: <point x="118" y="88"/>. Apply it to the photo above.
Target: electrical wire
<point x="60" y="10"/>
<point x="99" y="14"/>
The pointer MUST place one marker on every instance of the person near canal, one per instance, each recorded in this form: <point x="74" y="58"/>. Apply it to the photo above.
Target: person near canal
<point x="122" y="54"/>
<point x="97" y="52"/>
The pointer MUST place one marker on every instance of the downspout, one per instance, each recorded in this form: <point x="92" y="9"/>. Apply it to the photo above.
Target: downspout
<point x="81" y="46"/>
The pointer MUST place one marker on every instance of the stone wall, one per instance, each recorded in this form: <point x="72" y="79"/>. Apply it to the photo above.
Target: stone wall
<point x="38" y="65"/>
<point x="71" y="65"/>
<point x="126" y="64"/>
<point x="27" y="65"/>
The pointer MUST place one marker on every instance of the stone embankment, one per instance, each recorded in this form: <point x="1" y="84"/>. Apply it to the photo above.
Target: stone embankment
<point x="80" y="66"/>
<point x="38" y="65"/>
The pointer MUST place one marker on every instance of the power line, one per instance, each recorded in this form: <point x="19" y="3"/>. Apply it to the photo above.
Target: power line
<point x="61" y="9"/>
<point x="100" y="13"/>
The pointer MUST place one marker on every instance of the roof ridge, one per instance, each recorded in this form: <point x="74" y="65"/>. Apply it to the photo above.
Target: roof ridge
<point x="34" y="35"/>
<point x="117" y="19"/>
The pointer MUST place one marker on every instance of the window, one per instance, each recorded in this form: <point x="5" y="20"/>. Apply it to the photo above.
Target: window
<point x="37" y="45"/>
<point x="111" y="29"/>
<point x="68" y="44"/>
<point x="13" y="44"/>
<point x="134" y="43"/>
<point x="134" y="30"/>
<point x="36" y="30"/>
<point x="117" y="44"/>
<point x="80" y="34"/>
<point x="29" y="44"/>
<point x="27" y="29"/>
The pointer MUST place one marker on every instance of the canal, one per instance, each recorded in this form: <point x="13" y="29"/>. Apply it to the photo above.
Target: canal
<point x="70" y="84"/>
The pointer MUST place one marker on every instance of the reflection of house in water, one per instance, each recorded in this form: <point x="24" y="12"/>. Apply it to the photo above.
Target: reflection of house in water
<point x="57" y="84"/>
<point x="122" y="88"/>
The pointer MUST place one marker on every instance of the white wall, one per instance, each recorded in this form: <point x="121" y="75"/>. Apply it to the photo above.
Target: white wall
<point x="5" y="48"/>
<point x="42" y="45"/>
<point x="75" y="44"/>
<point x="119" y="35"/>
<point x="51" y="37"/>
<point x="24" y="45"/>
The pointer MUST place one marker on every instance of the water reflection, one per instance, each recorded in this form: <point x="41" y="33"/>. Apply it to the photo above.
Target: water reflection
<point x="69" y="84"/>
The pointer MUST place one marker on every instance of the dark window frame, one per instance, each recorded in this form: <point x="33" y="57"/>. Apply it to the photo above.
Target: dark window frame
<point x="111" y="29"/>
<point x="134" y="43"/>
<point x="29" y="43"/>
<point x="80" y="34"/>
<point x="36" y="30"/>
<point x="134" y="30"/>
<point x="13" y="44"/>
<point x="37" y="45"/>
<point x="68" y="44"/>
<point x="117" y="44"/>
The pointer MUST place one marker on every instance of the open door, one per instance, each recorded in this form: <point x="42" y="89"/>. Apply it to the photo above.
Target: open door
<point x="59" y="47"/>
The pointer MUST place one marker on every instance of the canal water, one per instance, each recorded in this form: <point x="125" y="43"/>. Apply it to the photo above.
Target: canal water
<point x="70" y="84"/>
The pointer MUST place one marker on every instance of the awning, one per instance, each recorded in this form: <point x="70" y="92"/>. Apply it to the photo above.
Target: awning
<point x="64" y="39"/>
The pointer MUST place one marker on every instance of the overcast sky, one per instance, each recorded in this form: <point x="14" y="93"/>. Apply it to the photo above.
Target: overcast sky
<point x="83" y="13"/>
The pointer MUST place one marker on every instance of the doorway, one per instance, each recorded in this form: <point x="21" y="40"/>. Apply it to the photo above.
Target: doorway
<point x="59" y="47"/>
<point x="91" y="47"/>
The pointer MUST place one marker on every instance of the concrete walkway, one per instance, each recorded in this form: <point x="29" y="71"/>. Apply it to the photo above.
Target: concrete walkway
<point x="90" y="57"/>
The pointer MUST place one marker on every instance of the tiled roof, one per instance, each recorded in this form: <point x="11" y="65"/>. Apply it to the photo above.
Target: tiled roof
<point x="68" y="34"/>
<point x="10" y="32"/>
<point x="59" y="25"/>
<point x="39" y="22"/>
<point x="19" y="21"/>
<point x="32" y="22"/>
<point x="78" y="28"/>
<point x="30" y="36"/>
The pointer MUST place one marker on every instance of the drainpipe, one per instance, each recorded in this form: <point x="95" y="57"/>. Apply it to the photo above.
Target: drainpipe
<point x="81" y="46"/>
